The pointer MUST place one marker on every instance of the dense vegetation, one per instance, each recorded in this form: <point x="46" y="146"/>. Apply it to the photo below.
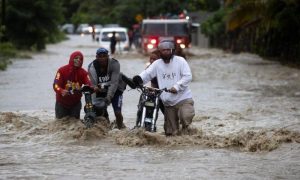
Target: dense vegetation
<point x="269" y="28"/>
<point x="7" y="51"/>
<point x="31" y="24"/>
<point x="124" y="12"/>
<point x="28" y="25"/>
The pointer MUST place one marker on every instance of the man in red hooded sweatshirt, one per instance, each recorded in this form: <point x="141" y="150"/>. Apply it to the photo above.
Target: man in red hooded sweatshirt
<point x="67" y="83"/>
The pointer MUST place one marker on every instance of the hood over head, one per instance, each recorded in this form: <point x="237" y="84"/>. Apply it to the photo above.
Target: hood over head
<point x="73" y="55"/>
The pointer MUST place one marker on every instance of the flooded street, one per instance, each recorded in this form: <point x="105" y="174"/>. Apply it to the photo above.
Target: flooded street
<point x="247" y="123"/>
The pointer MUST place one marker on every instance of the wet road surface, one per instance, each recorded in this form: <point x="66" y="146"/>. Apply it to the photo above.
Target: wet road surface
<point x="246" y="124"/>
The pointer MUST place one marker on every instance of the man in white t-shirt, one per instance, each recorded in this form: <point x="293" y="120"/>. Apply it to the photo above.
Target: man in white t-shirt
<point x="172" y="72"/>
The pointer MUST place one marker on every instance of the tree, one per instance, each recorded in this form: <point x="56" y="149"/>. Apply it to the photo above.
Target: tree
<point x="269" y="28"/>
<point x="31" y="23"/>
<point x="124" y="12"/>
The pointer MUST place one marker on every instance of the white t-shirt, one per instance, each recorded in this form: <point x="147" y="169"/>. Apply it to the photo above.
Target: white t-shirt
<point x="176" y="73"/>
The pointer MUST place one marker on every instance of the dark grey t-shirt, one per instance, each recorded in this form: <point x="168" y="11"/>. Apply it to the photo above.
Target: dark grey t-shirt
<point x="112" y="79"/>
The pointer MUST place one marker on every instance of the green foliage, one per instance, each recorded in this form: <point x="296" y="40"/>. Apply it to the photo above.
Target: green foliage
<point x="32" y="22"/>
<point x="215" y="25"/>
<point x="124" y="12"/>
<point x="3" y="63"/>
<point x="2" y="31"/>
<point x="7" y="50"/>
<point x="269" y="28"/>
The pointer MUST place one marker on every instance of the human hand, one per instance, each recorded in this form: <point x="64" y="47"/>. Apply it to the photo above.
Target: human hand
<point x="96" y="89"/>
<point x="65" y="92"/>
<point x="173" y="90"/>
<point x="137" y="80"/>
<point x="107" y="101"/>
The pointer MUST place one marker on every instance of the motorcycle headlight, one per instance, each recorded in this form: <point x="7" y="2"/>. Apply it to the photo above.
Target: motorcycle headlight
<point x="149" y="104"/>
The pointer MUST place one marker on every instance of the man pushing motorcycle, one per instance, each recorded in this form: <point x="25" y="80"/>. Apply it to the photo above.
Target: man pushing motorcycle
<point x="172" y="72"/>
<point x="67" y="84"/>
<point x="105" y="75"/>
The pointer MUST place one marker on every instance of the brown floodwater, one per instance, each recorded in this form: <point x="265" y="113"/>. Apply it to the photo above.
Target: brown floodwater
<point x="246" y="124"/>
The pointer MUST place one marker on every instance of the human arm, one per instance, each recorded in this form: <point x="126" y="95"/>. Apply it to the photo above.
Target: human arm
<point x="149" y="73"/>
<point x="93" y="78"/>
<point x="114" y="79"/>
<point x="86" y="81"/>
<point x="92" y="74"/>
<point x="58" y="84"/>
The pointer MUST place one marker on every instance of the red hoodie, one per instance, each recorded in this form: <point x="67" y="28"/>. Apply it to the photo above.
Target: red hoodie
<point x="70" y="78"/>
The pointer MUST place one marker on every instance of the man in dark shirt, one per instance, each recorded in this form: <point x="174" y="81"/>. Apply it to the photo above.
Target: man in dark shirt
<point x="105" y="74"/>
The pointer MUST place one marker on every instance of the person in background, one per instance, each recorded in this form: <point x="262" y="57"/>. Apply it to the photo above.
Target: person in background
<point x="154" y="55"/>
<point x="105" y="75"/>
<point x="67" y="83"/>
<point x="172" y="72"/>
<point x="113" y="43"/>
<point x="179" y="51"/>
<point x="130" y="36"/>
<point x="136" y="38"/>
<point x="93" y="33"/>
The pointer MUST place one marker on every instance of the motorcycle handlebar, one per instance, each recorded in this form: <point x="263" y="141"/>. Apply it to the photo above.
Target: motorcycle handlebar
<point x="87" y="89"/>
<point x="83" y="89"/>
<point x="156" y="89"/>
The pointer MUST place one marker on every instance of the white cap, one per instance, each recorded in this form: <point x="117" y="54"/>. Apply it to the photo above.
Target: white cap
<point x="166" y="44"/>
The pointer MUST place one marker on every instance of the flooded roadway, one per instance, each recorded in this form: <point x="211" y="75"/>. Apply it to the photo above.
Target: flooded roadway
<point x="246" y="124"/>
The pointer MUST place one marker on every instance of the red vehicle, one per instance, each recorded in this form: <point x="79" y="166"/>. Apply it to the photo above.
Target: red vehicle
<point x="155" y="30"/>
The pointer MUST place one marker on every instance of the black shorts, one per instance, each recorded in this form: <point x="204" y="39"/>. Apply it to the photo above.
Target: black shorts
<point x="117" y="101"/>
<point x="61" y="111"/>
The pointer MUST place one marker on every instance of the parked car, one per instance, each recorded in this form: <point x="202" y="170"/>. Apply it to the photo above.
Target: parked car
<point x="98" y="27"/>
<point x="67" y="28"/>
<point x="121" y="34"/>
<point x="111" y="25"/>
<point x="84" y="29"/>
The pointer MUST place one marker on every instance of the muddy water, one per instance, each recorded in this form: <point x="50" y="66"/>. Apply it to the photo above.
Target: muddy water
<point x="246" y="124"/>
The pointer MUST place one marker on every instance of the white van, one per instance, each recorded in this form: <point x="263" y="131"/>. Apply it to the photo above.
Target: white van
<point x="121" y="34"/>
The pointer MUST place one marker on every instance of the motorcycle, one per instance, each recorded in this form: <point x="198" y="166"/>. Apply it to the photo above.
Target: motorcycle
<point x="99" y="106"/>
<point x="148" y="107"/>
<point x="90" y="114"/>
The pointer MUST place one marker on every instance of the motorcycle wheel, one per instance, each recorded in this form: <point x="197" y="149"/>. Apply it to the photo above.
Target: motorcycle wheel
<point x="148" y="126"/>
